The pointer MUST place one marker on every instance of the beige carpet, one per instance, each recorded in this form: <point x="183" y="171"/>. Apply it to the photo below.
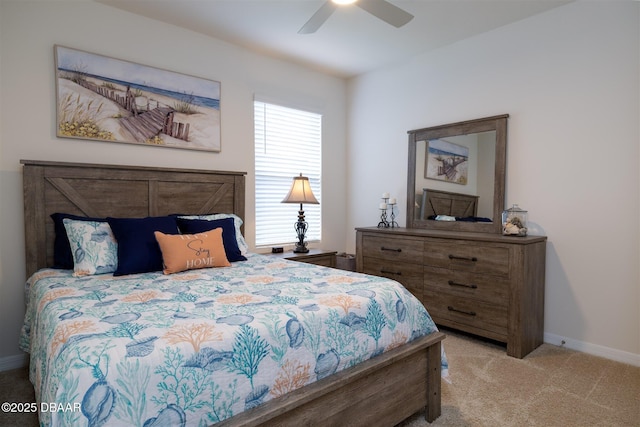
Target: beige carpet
<point x="550" y="387"/>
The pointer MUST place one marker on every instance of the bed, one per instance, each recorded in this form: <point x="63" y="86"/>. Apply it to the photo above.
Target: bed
<point x="448" y="206"/>
<point x="436" y="202"/>
<point x="203" y="346"/>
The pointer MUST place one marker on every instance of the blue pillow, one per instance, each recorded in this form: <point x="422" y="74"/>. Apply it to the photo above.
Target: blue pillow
<point x="138" y="250"/>
<point x="62" y="256"/>
<point x="231" y="249"/>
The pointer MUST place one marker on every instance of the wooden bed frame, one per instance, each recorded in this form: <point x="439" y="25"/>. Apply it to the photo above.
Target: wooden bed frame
<point x="382" y="391"/>
<point x="436" y="202"/>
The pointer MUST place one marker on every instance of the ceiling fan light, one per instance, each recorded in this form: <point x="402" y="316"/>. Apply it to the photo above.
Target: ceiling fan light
<point x="343" y="2"/>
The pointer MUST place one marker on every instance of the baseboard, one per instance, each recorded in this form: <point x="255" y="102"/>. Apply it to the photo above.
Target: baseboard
<point x="593" y="349"/>
<point x="8" y="363"/>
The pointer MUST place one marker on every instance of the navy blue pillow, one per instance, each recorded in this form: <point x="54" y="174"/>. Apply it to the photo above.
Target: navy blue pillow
<point x="62" y="256"/>
<point x="138" y="250"/>
<point x="231" y="249"/>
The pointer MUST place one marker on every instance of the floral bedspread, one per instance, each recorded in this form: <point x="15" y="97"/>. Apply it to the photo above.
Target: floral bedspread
<point x="197" y="347"/>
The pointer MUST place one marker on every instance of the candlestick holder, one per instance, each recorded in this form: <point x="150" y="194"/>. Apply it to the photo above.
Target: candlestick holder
<point x="383" y="213"/>
<point x="393" y="223"/>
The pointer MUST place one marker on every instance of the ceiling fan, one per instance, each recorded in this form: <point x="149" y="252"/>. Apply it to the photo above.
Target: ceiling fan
<point x="381" y="9"/>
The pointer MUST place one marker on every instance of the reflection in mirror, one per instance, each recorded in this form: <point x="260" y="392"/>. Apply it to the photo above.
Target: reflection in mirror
<point x="465" y="175"/>
<point x="457" y="172"/>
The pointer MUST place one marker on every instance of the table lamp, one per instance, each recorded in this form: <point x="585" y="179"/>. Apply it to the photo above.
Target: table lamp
<point x="301" y="193"/>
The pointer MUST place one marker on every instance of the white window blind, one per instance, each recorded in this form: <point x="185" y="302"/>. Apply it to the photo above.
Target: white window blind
<point x="287" y="144"/>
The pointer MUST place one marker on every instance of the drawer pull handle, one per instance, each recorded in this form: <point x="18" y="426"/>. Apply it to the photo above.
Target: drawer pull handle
<point x="469" y="313"/>
<point x="463" y="258"/>
<point x="464" y="285"/>
<point x="383" y="248"/>
<point x="397" y="273"/>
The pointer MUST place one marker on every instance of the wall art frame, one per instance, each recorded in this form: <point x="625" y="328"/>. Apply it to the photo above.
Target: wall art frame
<point x="446" y="161"/>
<point x="107" y="99"/>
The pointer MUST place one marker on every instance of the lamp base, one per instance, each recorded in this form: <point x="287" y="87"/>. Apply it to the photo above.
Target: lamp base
<point x="299" y="249"/>
<point x="301" y="229"/>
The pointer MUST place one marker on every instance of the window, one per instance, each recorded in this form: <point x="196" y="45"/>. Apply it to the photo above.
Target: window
<point x="287" y="143"/>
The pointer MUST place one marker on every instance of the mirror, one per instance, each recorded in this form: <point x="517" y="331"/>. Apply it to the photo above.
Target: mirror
<point x="458" y="171"/>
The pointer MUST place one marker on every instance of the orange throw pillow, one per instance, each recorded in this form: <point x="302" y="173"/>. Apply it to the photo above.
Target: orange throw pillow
<point x="182" y="252"/>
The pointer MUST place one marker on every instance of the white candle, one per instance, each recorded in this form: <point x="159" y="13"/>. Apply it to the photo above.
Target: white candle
<point x="385" y="195"/>
<point x="392" y="201"/>
<point x="383" y="206"/>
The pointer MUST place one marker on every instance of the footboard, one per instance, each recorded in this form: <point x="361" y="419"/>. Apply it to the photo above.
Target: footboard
<point x="382" y="391"/>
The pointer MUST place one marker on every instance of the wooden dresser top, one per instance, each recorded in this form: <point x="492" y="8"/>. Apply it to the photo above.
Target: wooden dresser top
<point x="458" y="235"/>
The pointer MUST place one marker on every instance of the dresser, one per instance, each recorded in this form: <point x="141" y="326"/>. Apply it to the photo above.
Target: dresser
<point x="485" y="284"/>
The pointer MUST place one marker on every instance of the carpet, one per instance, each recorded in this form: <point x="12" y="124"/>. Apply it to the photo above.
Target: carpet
<point x="552" y="386"/>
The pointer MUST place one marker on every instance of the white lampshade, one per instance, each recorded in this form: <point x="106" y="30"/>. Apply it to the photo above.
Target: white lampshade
<point x="301" y="192"/>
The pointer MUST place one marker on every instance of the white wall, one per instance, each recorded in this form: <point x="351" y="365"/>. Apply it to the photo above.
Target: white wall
<point x="28" y="31"/>
<point x="569" y="79"/>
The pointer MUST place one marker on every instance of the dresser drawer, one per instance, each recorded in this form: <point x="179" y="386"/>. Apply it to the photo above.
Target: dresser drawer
<point x="392" y="248"/>
<point x="410" y="275"/>
<point x="467" y="256"/>
<point x="463" y="284"/>
<point x="478" y="316"/>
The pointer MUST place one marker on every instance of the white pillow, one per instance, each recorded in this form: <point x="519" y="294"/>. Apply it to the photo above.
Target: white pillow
<point x="93" y="246"/>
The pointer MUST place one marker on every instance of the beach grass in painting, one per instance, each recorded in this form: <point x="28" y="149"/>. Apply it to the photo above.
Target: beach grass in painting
<point x="107" y="99"/>
<point x="447" y="162"/>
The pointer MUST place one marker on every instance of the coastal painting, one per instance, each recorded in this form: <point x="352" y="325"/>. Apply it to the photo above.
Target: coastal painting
<point x="447" y="162"/>
<point x="107" y="99"/>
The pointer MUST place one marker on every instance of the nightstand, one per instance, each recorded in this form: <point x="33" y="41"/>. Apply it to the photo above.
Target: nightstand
<point x="314" y="256"/>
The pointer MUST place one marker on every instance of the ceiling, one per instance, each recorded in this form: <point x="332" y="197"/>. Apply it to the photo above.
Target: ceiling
<point x="351" y="41"/>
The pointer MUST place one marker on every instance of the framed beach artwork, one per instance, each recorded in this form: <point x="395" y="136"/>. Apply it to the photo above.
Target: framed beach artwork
<point x="446" y="161"/>
<point x="107" y="99"/>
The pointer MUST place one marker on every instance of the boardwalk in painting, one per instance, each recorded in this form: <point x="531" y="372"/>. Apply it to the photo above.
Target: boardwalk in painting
<point x="146" y="125"/>
<point x="449" y="167"/>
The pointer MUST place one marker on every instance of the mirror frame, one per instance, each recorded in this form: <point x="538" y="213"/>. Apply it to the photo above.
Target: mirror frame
<point x="494" y="123"/>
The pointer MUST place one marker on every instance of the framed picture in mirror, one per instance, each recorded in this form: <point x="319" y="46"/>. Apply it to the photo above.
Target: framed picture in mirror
<point x="447" y="161"/>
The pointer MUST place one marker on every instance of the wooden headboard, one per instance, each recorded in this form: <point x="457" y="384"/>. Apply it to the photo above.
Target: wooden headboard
<point x="117" y="191"/>
<point x="436" y="202"/>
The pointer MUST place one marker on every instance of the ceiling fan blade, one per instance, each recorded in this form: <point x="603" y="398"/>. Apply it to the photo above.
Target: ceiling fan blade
<point x="318" y="18"/>
<point x="386" y="11"/>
